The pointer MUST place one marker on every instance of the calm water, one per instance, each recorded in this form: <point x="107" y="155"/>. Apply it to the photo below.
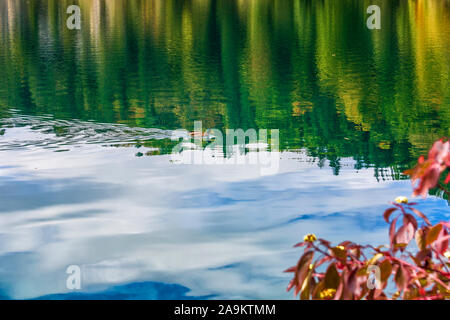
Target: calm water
<point x="86" y="117"/>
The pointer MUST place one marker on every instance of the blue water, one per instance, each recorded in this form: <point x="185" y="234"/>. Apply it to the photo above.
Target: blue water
<point x="144" y="227"/>
<point x="86" y="173"/>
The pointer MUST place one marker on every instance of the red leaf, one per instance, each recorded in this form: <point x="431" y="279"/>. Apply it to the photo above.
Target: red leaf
<point x="447" y="180"/>
<point x="446" y="224"/>
<point x="401" y="278"/>
<point x="409" y="218"/>
<point x="423" y="255"/>
<point x="428" y="180"/>
<point x="422" y="291"/>
<point x="350" y="285"/>
<point x="339" y="253"/>
<point x="392" y="231"/>
<point x="331" y="277"/>
<point x="339" y="290"/>
<point x="325" y="243"/>
<point x="420" y="214"/>
<point x="405" y="234"/>
<point x="441" y="243"/>
<point x="322" y="261"/>
<point x="291" y="284"/>
<point x="291" y="269"/>
<point x="302" y="270"/>
<point x="420" y="239"/>
<point x="300" y="244"/>
<point x="345" y="243"/>
<point x="421" y="159"/>
<point x="388" y="213"/>
<point x="386" y="270"/>
<point x="308" y="284"/>
<point x="433" y="234"/>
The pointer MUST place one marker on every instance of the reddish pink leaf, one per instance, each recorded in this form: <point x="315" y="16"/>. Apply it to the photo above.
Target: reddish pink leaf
<point x="322" y="261"/>
<point x="291" y="269"/>
<point x="401" y="278"/>
<point x="300" y="244"/>
<point x="339" y="290"/>
<point x="447" y="180"/>
<point x="405" y="234"/>
<point x="325" y="243"/>
<point x="441" y="244"/>
<point x="291" y="285"/>
<point x="392" y="231"/>
<point x="420" y="214"/>
<point x="345" y="243"/>
<point x="302" y="270"/>
<point x="388" y="213"/>
<point x="423" y="255"/>
<point x="433" y="234"/>
<point x="332" y="277"/>
<point x="409" y="218"/>
<point x="429" y="180"/>
<point x="350" y="285"/>
<point x="446" y="224"/>
<point x="420" y="239"/>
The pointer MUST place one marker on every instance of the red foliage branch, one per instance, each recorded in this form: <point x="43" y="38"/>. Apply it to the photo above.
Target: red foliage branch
<point x="423" y="274"/>
<point x="428" y="171"/>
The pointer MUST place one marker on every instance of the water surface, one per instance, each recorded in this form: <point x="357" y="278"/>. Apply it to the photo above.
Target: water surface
<point x="86" y="117"/>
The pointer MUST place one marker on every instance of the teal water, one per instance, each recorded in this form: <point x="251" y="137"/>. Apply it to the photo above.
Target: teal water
<point x="87" y="116"/>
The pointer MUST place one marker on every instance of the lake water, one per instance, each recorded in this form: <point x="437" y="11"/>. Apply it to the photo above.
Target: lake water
<point x="86" y="119"/>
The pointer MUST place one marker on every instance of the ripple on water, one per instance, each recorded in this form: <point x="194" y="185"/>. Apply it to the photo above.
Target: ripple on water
<point x="21" y="131"/>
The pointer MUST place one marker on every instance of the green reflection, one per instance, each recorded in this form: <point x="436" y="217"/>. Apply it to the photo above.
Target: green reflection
<point x="309" y="68"/>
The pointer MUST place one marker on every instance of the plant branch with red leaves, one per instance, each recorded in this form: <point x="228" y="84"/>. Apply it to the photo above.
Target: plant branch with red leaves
<point x="350" y="271"/>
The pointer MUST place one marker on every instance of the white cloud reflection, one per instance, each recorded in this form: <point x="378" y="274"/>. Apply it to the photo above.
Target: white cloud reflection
<point x="217" y="230"/>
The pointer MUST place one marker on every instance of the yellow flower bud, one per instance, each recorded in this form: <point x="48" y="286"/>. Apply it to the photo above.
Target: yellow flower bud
<point x="310" y="237"/>
<point x="401" y="199"/>
<point x="327" y="294"/>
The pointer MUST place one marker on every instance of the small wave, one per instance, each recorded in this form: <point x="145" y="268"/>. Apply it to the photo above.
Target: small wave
<point x="20" y="131"/>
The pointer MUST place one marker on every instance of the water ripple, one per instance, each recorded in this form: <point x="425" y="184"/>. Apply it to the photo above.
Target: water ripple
<point x="21" y="131"/>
